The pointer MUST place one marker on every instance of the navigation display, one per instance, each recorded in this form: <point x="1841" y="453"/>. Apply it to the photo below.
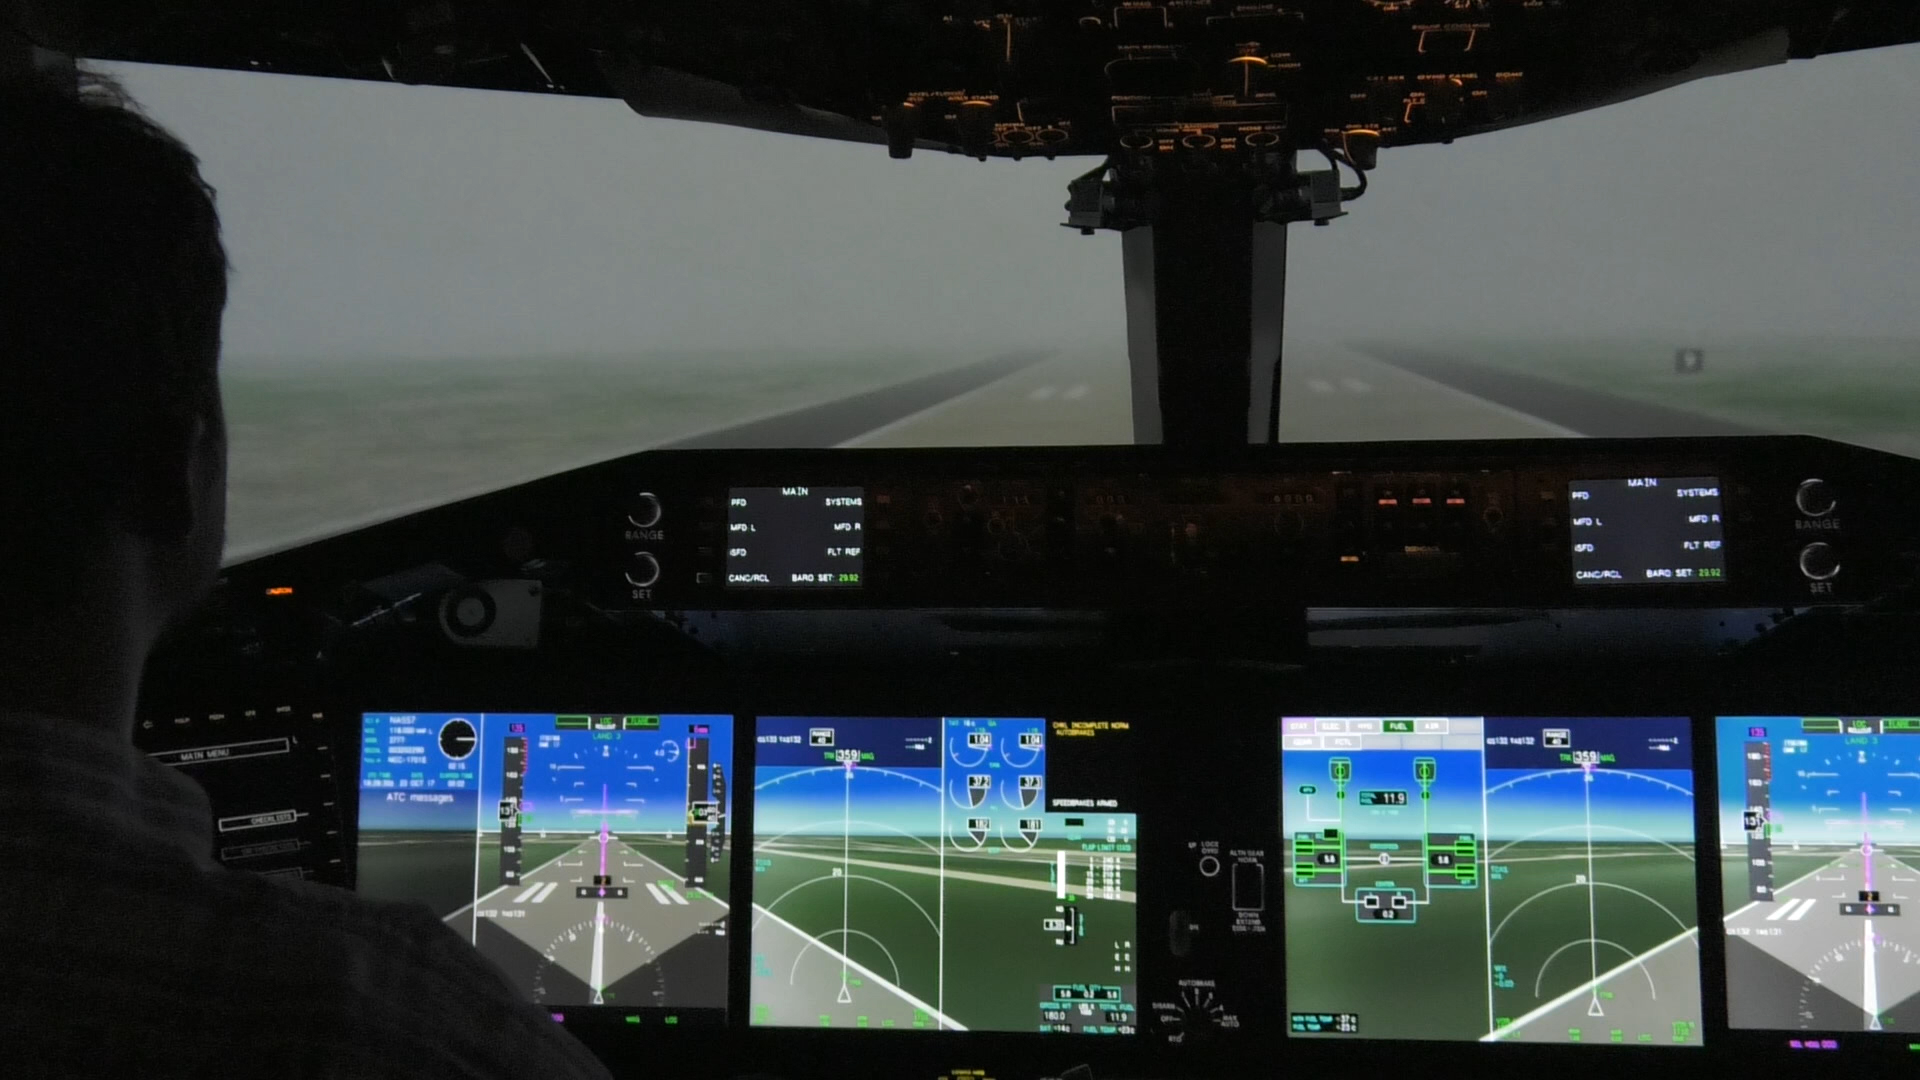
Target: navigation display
<point x="796" y="537"/>
<point x="1525" y="879"/>
<point x="944" y="874"/>
<point x="584" y="854"/>
<point x="1647" y="530"/>
<point x="1819" y="872"/>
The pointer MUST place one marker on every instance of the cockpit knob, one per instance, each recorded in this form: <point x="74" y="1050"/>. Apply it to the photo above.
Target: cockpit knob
<point x="1815" y="498"/>
<point x="645" y="512"/>
<point x="646" y="570"/>
<point x="1819" y="561"/>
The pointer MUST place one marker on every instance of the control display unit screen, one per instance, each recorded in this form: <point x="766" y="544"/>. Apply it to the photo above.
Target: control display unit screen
<point x="1525" y="879"/>
<point x="584" y="854"/>
<point x="796" y="537"/>
<point x="269" y="774"/>
<point x="1648" y="530"/>
<point x="954" y="874"/>
<point x="1820" y="872"/>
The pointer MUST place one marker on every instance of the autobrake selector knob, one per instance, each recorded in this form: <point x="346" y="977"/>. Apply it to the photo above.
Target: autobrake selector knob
<point x="1815" y="498"/>
<point x="1819" y="561"/>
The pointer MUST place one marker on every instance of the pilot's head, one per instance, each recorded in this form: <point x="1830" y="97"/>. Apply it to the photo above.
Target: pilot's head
<point x="112" y="284"/>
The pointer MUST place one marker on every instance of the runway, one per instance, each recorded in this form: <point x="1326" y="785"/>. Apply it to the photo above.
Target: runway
<point x="1330" y="392"/>
<point x="593" y="946"/>
<point x="1836" y="963"/>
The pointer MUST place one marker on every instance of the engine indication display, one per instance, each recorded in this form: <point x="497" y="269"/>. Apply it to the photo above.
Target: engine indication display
<point x="1535" y="883"/>
<point x="796" y="537"/>
<point x="1647" y="530"/>
<point x="944" y="873"/>
<point x="1819" y="874"/>
<point x="583" y="854"/>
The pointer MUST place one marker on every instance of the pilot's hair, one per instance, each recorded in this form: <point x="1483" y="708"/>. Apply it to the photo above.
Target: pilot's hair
<point x="113" y="281"/>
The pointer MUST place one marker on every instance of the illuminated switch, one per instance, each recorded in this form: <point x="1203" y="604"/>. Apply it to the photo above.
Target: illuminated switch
<point x="1363" y="147"/>
<point x="1248" y="76"/>
<point x="975" y="120"/>
<point x="1443" y="101"/>
<point x="1388" y="517"/>
<point x="1449" y="41"/>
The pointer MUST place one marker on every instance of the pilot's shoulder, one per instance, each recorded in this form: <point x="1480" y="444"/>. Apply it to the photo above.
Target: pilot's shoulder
<point x="398" y="968"/>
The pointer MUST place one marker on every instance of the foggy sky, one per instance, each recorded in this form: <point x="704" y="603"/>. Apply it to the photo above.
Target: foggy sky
<point x="387" y="220"/>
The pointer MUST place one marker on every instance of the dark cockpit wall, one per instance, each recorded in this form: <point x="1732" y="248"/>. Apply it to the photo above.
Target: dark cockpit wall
<point x="1193" y="758"/>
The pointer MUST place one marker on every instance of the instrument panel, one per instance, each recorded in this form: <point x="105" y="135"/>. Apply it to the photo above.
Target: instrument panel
<point x="1077" y="886"/>
<point x="1727" y="521"/>
<point x="842" y="860"/>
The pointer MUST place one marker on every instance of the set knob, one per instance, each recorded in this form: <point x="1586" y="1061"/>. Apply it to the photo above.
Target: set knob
<point x="646" y="570"/>
<point x="1819" y="561"/>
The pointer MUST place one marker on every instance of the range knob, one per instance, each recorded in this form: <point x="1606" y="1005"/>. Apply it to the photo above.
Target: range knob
<point x="646" y="570"/>
<point x="1819" y="561"/>
<point x="1815" y="498"/>
<point x="645" y="510"/>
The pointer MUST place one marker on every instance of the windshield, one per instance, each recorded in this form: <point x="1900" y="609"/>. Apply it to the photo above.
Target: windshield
<point x="441" y="292"/>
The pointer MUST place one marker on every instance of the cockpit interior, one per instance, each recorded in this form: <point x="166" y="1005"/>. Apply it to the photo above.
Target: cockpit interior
<point x="1216" y="651"/>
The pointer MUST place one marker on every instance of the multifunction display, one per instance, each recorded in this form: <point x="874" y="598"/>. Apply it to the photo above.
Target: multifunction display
<point x="1647" y="530"/>
<point x="796" y="537"/>
<point x="1526" y="879"/>
<point x="945" y="874"/>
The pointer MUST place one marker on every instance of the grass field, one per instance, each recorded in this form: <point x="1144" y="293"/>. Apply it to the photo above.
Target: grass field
<point x="437" y="868"/>
<point x="323" y="443"/>
<point x="1788" y="867"/>
<point x="1429" y="979"/>
<point x="999" y="961"/>
<point x="1864" y="391"/>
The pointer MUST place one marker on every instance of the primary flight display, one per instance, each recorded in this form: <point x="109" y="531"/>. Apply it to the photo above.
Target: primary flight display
<point x="583" y="854"/>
